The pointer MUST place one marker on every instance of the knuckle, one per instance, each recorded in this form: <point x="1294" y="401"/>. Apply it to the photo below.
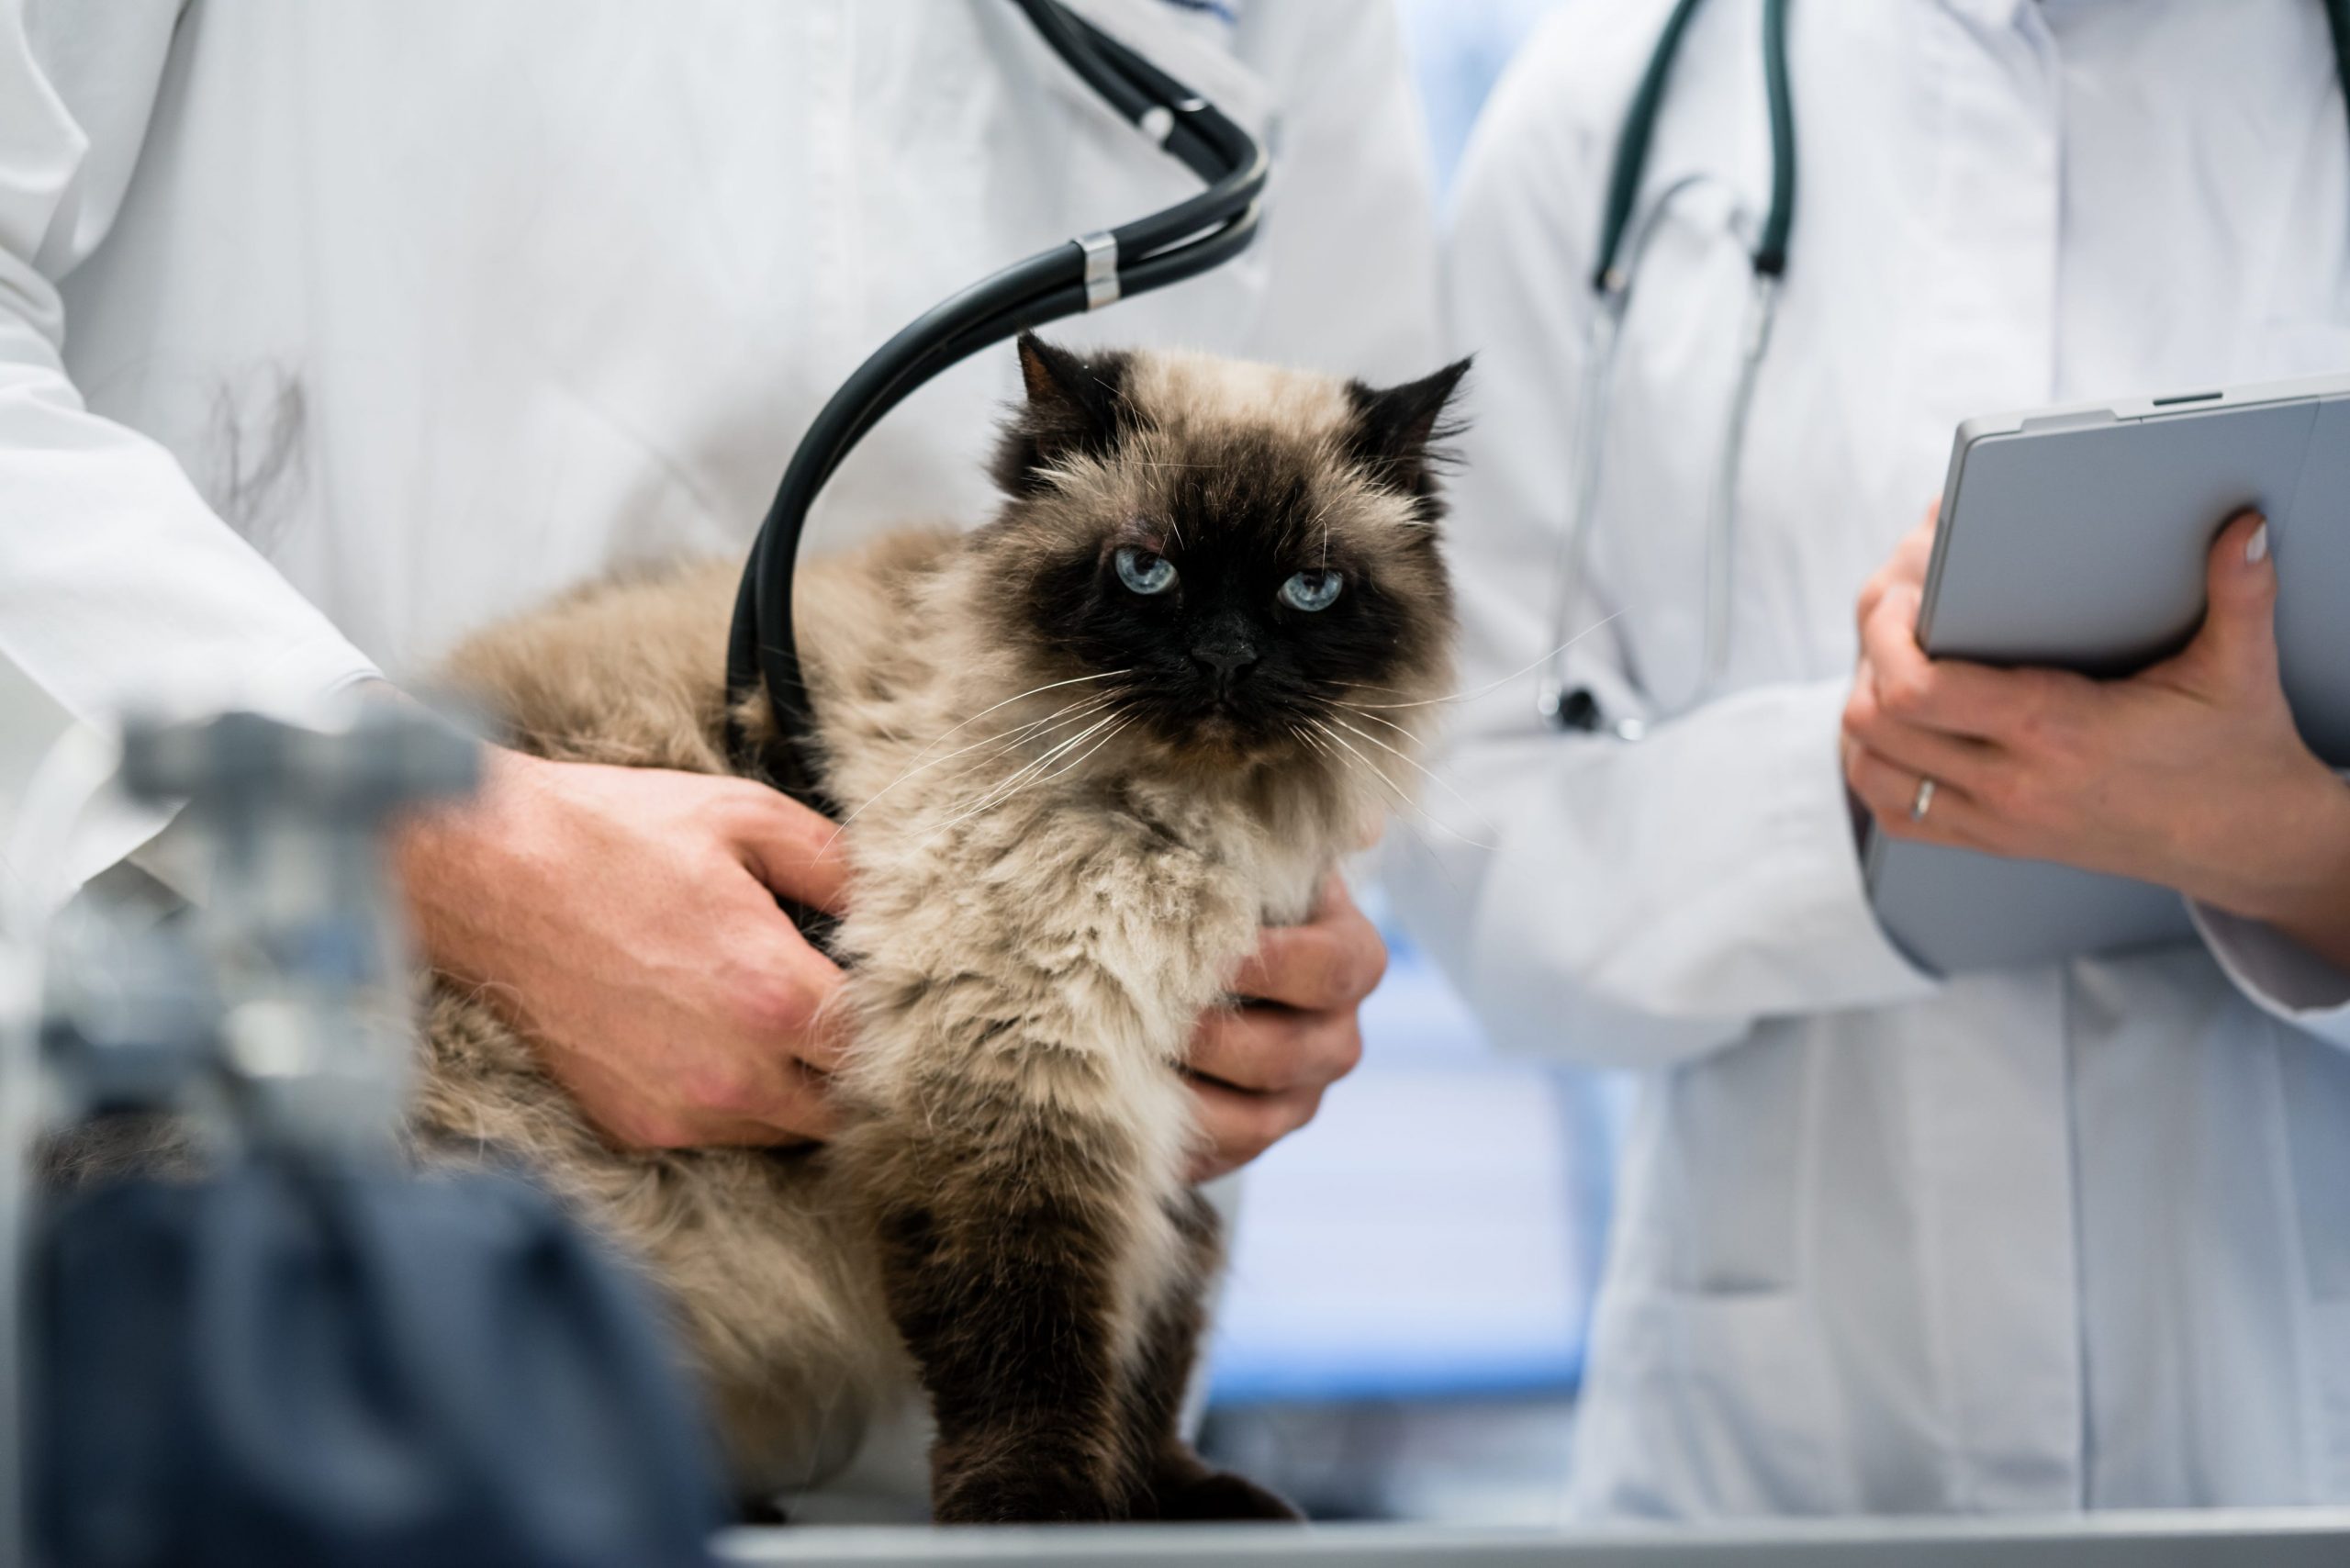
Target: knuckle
<point x="1870" y="778"/>
<point x="729" y="802"/>
<point x="722" y="1085"/>
<point x="2024" y="725"/>
<point x="1299" y="1112"/>
<point x="1998" y="794"/>
<point x="2033" y="720"/>
<point x="1348" y="1054"/>
<point x="772" y="1006"/>
<point x="1271" y="1120"/>
<point x="1906" y="694"/>
<point x="1328" y="983"/>
<point x="2020" y="802"/>
<point x="1371" y="965"/>
<point x="1863" y="720"/>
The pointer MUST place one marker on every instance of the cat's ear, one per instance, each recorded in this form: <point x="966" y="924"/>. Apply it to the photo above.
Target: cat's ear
<point x="1398" y="432"/>
<point x="1075" y="406"/>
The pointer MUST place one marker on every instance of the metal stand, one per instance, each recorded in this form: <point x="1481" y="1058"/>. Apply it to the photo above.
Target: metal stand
<point x="278" y="1009"/>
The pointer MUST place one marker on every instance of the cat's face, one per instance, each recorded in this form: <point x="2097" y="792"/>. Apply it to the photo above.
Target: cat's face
<point x="1241" y="563"/>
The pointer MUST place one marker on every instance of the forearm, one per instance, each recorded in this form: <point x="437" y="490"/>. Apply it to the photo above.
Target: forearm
<point x="2307" y="897"/>
<point x="1647" y="900"/>
<point x="117" y="581"/>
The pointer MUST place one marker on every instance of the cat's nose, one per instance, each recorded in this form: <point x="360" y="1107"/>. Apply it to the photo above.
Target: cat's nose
<point x="1224" y="659"/>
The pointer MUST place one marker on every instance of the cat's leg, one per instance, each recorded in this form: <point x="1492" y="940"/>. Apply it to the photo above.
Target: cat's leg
<point x="1009" y="1232"/>
<point x="1176" y="1483"/>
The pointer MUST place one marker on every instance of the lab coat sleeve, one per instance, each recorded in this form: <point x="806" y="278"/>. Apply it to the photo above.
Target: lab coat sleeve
<point x="2278" y="974"/>
<point x="1348" y="245"/>
<point x="1623" y="903"/>
<point x="118" y="583"/>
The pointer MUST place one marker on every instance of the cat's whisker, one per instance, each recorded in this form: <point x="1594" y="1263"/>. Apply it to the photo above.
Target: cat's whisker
<point x="1405" y="822"/>
<point x="1011" y="737"/>
<point x="1074" y="763"/>
<point x="1492" y="687"/>
<point x="1404" y="730"/>
<point x="1403" y="797"/>
<point x="1010" y="786"/>
<point x="1021" y="697"/>
<point x="1414" y="763"/>
<point x="1010" y="740"/>
<point x="1121" y="723"/>
<point x="1000" y="741"/>
<point x="1014" y="742"/>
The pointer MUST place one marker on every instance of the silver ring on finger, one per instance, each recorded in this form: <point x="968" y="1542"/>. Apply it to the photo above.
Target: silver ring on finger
<point x="1922" y="801"/>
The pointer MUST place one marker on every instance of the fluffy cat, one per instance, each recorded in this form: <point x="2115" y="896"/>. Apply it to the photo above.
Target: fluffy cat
<point x="1087" y="749"/>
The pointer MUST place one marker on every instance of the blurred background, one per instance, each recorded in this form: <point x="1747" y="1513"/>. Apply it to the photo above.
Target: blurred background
<point x="1401" y="1332"/>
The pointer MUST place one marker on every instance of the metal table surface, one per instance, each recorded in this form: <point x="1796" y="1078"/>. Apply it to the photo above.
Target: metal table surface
<point x="2296" y="1537"/>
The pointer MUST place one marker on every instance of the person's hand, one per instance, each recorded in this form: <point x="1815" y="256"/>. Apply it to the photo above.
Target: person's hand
<point x="1258" y="1070"/>
<point x="2189" y="774"/>
<point x="625" y="919"/>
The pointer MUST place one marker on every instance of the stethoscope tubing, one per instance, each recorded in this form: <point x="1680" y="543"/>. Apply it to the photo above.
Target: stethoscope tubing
<point x="1199" y="233"/>
<point x="1570" y="571"/>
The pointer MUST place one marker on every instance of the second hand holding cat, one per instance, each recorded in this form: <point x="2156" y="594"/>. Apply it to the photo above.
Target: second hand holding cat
<point x="1259" y="1071"/>
<point x="626" y="919"/>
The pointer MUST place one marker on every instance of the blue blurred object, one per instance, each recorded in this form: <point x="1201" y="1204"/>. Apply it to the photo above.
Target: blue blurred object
<point x="297" y="1363"/>
<point x="308" y="1354"/>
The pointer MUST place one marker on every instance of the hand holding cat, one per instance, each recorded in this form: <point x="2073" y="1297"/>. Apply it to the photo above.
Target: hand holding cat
<point x="1259" y="1071"/>
<point x="625" y="919"/>
<point x="2189" y="774"/>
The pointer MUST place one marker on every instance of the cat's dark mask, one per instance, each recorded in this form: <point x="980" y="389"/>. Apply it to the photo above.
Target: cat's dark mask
<point x="1252" y="552"/>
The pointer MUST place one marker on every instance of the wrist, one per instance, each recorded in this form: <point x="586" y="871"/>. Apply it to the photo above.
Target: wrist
<point x="2307" y="893"/>
<point x="444" y="855"/>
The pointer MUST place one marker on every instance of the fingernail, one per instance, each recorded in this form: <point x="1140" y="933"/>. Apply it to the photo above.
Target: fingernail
<point x="2255" y="549"/>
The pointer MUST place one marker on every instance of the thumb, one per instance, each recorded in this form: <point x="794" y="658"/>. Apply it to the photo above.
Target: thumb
<point x="2239" y="636"/>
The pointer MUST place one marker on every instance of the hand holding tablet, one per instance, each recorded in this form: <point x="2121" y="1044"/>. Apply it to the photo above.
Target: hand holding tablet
<point x="2066" y="810"/>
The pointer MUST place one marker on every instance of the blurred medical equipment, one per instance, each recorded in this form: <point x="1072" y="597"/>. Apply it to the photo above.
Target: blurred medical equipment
<point x="1085" y="273"/>
<point x="1625" y="235"/>
<point x="285" y="1347"/>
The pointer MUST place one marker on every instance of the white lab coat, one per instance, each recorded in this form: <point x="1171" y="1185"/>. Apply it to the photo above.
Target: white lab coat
<point x="2053" y="1239"/>
<point x="380" y="320"/>
<point x="329" y="332"/>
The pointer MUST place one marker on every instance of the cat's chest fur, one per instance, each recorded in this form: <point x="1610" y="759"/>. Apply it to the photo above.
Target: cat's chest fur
<point x="1114" y="903"/>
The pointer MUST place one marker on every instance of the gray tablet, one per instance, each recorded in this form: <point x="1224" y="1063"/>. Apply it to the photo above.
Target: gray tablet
<point x="2079" y="537"/>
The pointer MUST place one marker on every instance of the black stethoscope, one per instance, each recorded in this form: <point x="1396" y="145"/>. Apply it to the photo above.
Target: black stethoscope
<point x="1085" y="273"/>
<point x="1623" y="244"/>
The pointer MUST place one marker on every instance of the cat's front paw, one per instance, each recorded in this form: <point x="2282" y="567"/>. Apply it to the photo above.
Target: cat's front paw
<point x="1208" y="1495"/>
<point x="1003" y="1495"/>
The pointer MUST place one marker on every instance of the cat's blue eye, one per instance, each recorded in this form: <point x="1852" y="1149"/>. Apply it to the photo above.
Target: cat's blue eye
<point x="1311" y="590"/>
<point x="1144" y="572"/>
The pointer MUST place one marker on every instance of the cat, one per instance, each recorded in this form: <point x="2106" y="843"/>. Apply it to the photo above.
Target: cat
<point x="1085" y="750"/>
